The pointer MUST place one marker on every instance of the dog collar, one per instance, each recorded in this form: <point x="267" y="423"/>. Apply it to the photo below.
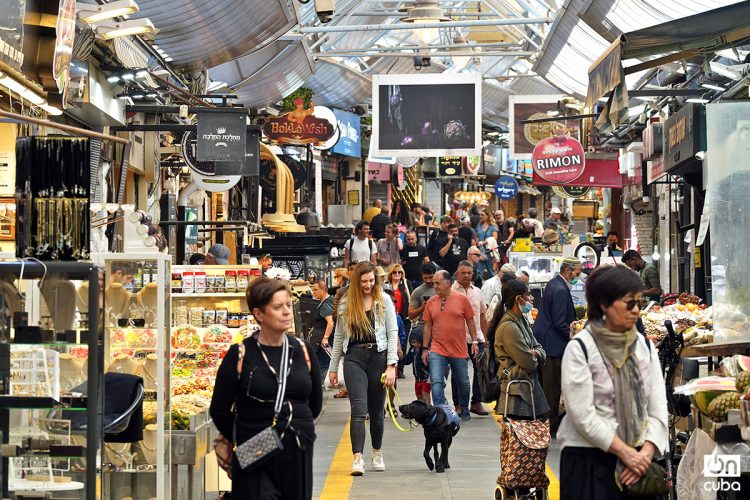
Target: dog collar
<point x="434" y="417"/>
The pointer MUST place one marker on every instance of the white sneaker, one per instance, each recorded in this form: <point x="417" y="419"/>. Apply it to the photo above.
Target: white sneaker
<point x="358" y="465"/>
<point x="378" y="464"/>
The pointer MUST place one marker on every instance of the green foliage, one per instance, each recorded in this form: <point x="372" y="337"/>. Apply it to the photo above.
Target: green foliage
<point x="304" y="93"/>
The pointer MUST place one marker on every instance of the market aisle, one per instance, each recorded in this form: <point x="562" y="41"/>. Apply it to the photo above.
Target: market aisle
<point x="473" y="458"/>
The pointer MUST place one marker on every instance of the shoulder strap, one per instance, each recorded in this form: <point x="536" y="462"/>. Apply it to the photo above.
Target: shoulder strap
<point x="645" y="337"/>
<point x="579" y="341"/>
<point x="372" y="246"/>
<point x="307" y="354"/>
<point x="240" y="358"/>
<point x="351" y="243"/>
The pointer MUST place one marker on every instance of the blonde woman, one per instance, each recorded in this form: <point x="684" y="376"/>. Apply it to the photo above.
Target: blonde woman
<point x="340" y="277"/>
<point x="367" y="331"/>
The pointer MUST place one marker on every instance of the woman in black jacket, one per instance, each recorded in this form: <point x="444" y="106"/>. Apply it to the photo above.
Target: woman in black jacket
<point x="255" y="393"/>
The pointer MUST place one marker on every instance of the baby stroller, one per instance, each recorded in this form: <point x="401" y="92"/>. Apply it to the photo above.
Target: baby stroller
<point x="523" y="455"/>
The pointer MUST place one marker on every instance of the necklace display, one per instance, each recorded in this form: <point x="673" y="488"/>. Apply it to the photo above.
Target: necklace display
<point x="52" y="192"/>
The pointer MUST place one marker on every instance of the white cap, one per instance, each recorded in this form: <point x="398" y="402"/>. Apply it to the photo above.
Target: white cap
<point x="555" y="210"/>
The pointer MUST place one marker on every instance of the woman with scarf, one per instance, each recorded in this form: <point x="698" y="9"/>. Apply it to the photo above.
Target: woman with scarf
<point x="613" y="388"/>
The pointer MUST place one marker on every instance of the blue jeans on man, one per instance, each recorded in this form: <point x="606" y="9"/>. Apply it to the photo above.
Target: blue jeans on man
<point x="460" y="367"/>
<point x="476" y="395"/>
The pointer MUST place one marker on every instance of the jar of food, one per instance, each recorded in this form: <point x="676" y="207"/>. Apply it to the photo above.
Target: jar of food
<point x="242" y="280"/>
<point x="230" y="281"/>
<point x="176" y="282"/>
<point x="188" y="282"/>
<point x="200" y="282"/>
<point x="233" y="320"/>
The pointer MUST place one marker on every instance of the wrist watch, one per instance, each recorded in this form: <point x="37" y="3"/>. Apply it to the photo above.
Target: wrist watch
<point x="475" y="342"/>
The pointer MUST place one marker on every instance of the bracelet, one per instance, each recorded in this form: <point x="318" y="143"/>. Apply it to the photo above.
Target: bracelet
<point x="475" y="342"/>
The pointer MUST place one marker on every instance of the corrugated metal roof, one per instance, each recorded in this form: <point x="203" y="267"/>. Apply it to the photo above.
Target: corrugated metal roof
<point x="278" y="78"/>
<point x="233" y="73"/>
<point x="336" y="85"/>
<point x="198" y="34"/>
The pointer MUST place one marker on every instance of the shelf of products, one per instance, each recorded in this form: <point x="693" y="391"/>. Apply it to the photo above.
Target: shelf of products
<point x="45" y="409"/>
<point x="136" y="340"/>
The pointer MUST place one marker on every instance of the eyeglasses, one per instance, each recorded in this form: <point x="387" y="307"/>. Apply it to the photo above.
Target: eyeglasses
<point x="475" y="254"/>
<point x="397" y="272"/>
<point x="631" y="303"/>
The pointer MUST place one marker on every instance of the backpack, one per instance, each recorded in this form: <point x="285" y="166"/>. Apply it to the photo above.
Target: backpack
<point x="586" y="351"/>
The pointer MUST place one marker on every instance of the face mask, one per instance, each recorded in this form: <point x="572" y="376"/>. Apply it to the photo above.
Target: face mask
<point x="526" y="307"/>
<point x="574" y="281"/>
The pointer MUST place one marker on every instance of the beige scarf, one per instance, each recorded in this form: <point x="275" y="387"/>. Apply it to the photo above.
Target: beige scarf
<point x="618" y="351"/>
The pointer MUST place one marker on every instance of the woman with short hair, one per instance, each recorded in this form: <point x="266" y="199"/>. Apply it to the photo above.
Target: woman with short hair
<point x="367" y="331"/>
<point x="613" y="388"/>
<point x="253" y="393"/>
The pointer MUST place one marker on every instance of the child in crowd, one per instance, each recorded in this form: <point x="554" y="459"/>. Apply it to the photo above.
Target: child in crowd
<point x="422" y="386"/>
<point x="402" y="334"/>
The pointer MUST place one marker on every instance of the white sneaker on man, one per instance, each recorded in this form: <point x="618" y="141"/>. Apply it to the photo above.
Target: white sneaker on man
<point x="378" y="464"/>
<point x="358" y="465"/>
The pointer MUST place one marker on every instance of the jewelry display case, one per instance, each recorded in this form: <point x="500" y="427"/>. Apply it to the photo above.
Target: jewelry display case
<point x="49" y="364"/>
<point x="137" y="315"/>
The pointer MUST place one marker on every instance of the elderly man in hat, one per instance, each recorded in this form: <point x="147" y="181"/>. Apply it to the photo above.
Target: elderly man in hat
<point x="552" y="329"/>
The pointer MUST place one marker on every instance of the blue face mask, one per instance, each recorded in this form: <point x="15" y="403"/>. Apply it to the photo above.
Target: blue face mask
<point x="526" y="307"/>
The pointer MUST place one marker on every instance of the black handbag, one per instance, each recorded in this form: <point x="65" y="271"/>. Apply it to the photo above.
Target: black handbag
<point x="267" y="443"/>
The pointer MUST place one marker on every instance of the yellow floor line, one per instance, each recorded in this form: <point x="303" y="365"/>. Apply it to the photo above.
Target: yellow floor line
<point x="339" y="480"/>
<point x="553" y="492"/>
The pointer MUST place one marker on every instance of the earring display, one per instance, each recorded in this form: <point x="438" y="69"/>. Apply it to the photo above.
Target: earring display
<point x="52" y="197"/>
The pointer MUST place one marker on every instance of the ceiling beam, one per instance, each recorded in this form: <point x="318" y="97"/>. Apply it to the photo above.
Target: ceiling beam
<point x="412" y="26"/>
<point x="458" y="53"/>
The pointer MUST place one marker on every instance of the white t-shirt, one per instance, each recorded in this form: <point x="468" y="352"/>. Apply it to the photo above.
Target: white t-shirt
<point x="360" y="250"/>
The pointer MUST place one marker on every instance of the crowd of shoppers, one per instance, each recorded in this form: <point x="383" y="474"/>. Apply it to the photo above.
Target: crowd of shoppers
<point x="438" y="307"/>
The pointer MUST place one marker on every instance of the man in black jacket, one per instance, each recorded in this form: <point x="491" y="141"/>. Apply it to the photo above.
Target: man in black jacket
<point x="552" y="329"/>
<point x="378" y="224"/>
<point x="437" y="241"/>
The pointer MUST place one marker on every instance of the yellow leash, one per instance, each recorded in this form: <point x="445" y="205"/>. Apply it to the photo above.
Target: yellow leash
<point x="412" y="425"/>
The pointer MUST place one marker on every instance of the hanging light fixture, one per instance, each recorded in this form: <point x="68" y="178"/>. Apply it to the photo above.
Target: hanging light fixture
<point x="92" y="13"/>
<point x="425" y="12"/>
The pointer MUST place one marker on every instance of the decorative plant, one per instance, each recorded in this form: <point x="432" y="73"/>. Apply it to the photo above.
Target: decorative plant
<point x="303" y="93"/>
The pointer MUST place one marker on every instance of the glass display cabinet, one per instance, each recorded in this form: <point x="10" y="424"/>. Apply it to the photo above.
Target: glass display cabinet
<point x="136" y="461"/>
<point x="49" y="364"/>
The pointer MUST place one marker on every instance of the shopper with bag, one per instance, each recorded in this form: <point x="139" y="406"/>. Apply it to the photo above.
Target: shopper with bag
<point x="266" y="397"/>
<point x="613" y="388"/>
<point x="367" y="331"/>
<point x="518" y="354"/>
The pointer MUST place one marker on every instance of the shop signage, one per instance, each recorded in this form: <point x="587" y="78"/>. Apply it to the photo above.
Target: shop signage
<point x="450" y="166"/>
<point x="654" y="170"/>
<point x="399" y="178"/>
<point x="378" y="172"/>
<point x="684" y="136"/>
<point x="571" y="192"/>
<point x="472" y="164"/>
<point x="221" y="136"/>
<point x="11" y="32"/>
<point x="492" y="157"/>
<point x="300" y="126"/>
<point x="559" y="159"/>
<point x="506" y="187"/>
<point x="349" y="143"/>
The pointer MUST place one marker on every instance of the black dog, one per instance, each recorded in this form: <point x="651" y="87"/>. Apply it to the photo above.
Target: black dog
<point x="439" y="428"/>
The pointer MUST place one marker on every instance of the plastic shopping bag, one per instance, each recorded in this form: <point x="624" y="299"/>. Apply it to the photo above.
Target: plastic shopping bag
<point x="341" y="385"/>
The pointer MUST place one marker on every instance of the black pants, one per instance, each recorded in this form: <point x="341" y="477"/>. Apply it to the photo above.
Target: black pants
<point x="588" y="474"/>
<point x="270" y="481"/>
<point x="551" y="373"/>
<point x="363" y="367"/>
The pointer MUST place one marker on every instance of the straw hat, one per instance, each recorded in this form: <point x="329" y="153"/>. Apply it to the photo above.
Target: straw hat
<point x="550" y="236"/>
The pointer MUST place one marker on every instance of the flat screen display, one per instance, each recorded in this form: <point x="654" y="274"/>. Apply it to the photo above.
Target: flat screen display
<point x="427" y="115"/>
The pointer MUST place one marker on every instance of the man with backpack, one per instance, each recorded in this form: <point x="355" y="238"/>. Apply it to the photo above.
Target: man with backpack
<point x="360" y="247"/>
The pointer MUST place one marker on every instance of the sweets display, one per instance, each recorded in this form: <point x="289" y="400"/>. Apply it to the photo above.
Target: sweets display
<point x="230" y="281"/>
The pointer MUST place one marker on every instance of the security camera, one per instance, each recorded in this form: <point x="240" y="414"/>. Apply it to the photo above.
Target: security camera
<point x="700" y="155"/>
<point x="316" y="59"/>
<point x="421" y="62"/>
<point x="325" y="9"/>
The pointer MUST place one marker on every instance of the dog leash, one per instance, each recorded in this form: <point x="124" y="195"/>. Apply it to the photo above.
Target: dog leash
<point x="412" y="425"/>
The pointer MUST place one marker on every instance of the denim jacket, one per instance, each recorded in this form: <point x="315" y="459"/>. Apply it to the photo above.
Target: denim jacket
<point x="386" y="332"/>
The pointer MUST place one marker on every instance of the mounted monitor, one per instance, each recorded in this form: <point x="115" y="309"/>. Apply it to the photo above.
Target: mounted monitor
<point x="427" y="115"/>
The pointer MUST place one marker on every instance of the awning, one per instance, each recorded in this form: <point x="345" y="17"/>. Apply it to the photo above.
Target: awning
<point x="598" y="173"/>
<point x="706" y="32"/>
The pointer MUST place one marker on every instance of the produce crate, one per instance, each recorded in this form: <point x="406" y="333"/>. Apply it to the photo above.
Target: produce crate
<point x="721" y="432"/>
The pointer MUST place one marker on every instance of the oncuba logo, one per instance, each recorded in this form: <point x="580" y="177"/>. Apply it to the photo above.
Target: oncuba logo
<point x="506" y="187"/>
<point x="721" y="466"/>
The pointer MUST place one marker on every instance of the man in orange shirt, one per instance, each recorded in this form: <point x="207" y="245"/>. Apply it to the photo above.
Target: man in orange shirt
<point x="446" y="317"/>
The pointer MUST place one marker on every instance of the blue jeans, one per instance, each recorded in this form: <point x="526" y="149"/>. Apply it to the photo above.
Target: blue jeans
<point x="486" y="265"/>
<point x="459" y="366"/>
<point x="476" y="395"/>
